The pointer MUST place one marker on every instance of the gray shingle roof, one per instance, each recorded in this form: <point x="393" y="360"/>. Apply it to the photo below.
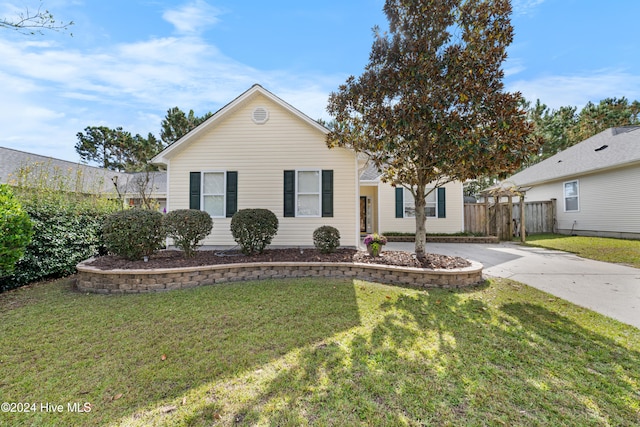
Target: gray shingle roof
<point x="370" y="173"/>
<point x="93" y="178"/>
<point x="614" y="147"/>
<point x="157" y="180"/>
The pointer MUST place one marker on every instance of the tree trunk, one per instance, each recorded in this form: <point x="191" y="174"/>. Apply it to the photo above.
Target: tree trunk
<point x="421" y="219"/>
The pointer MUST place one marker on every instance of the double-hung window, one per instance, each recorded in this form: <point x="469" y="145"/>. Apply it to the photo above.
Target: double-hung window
<point x="213" y="193"/>
<point x="308" y="193"/>
<point x="571" y="196"/>
<point x="435" y="203"/>
<point x="431" y="204"/>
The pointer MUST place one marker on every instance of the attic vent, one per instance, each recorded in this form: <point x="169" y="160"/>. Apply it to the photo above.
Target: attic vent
<point x="260" y="115"/>
<point x="602" y="147"/>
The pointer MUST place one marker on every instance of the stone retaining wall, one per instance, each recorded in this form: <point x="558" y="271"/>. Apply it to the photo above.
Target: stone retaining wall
<point x="91" y="279"/>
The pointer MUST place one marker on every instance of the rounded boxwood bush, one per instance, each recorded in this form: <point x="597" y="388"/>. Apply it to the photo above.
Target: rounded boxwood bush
<point x="326" y="239"/>
<point x="187" y="227"/>
<point x="133" y="233"/>
<point x="253" y="229"/>
<point x="15" y="230"/>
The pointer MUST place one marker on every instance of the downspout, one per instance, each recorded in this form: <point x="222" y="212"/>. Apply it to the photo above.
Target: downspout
<point x="357" y="204"/>
<point x="462" y="204"/>
<point x="168" y="206"/>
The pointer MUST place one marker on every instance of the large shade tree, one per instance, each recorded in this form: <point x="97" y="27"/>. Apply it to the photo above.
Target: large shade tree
<point x="177" y="124"/>
<point x="116" y="149"/>
<point x="430" y="106"/>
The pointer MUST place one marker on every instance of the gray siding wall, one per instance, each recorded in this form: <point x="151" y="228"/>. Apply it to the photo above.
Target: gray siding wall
<point x="609" y="202"/>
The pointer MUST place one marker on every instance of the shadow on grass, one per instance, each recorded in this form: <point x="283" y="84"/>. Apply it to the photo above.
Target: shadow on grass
<point x="447" y="358"/>
<point x="125" y="354"/>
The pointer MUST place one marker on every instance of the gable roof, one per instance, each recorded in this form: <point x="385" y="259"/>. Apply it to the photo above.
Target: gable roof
<point x="254" y="91"/>
<point x="612" y="148"/>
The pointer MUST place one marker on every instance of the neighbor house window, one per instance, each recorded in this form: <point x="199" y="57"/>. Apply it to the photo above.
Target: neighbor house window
<point x="431" y="207"/>
<point x="213" y="193"/>
<point x="308" y="193"/>
<point x="571" y="196"/>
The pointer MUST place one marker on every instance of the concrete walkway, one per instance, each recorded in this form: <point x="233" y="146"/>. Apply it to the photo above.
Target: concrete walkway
<point x="609" y="289"/>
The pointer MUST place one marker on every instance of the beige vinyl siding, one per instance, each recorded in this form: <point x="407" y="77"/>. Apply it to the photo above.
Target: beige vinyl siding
<point x="260" y="153"/>
<point x="453" y="223"/>
<point x="608" y="201"/>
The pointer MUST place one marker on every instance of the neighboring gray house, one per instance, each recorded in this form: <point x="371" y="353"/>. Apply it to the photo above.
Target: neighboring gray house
<point x="16" y="166"/>
<point x="596" y="184"/>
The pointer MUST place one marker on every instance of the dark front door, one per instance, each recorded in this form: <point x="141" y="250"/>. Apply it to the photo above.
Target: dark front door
<point x="363" y="214"/>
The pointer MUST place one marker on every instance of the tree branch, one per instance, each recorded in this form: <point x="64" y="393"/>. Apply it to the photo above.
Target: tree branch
<point x="30" y="23"/>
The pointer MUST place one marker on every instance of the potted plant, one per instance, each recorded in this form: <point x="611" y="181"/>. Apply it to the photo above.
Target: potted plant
<point x="374" y="243"/>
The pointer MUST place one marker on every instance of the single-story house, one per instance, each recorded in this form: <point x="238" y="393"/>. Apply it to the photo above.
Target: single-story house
<point x="22" y="168"/>
<point x="595" y="184"/>
<point x="260" y="152"/>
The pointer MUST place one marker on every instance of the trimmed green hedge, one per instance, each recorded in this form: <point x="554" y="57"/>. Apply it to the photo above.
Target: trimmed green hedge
<point x="66" y="209"/>
<point x="133" y="233"/>
<point x="326" y="239"/>
<point x="253" y="229"/>
<point x="62" y="237"/>
<point x="187" y="227"/>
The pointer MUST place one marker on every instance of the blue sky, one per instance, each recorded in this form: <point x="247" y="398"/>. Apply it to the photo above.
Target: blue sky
<point x="129" y="61"/>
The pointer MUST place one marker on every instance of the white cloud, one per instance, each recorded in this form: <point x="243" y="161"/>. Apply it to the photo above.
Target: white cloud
<point x="525" y="7"/>
<point x="513" y="67"/>
<point x="193" y="17"/>
<point x="577" y="90"/>
<point x="51" y="92"/>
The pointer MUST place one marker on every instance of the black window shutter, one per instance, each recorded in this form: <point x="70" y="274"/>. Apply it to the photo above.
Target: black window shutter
<point x="232" y="193"/>
<point x="194" y="190"/>
<point x="289" y="193"/>
<point x="442" y="202"/>
<point x="399" y="202"/>
<point x="327" y="193"/>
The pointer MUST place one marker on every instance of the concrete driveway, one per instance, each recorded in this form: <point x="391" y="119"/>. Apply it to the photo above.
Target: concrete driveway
<point x="609" y="289"/>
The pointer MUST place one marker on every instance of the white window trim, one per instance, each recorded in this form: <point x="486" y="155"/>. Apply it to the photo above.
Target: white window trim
<point x="224" y="193"/>
<point x="404" y="203"/>
<point x="577" y="197"/>
<point x="319" y="193"/>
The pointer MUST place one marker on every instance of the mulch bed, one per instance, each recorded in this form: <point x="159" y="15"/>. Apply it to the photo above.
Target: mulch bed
<point x="174" y="259"/>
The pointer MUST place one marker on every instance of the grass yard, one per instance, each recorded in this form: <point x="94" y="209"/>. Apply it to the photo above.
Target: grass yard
<point x="316" y="352"/>
<point x="598" y="248"/>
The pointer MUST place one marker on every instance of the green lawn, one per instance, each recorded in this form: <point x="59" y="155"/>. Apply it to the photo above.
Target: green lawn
<point x="316" y="352"/>
<point x="598" y="248"/>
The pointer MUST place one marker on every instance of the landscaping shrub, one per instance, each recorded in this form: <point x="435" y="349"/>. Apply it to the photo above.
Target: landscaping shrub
<point x="133" y="233"/>
<point x="63" y="236"/>
<point x="15" y="230"/>
<point x="326" y="239"/>
<point x="66" y="209"/>
<point x="187" y="227"/>
<point x="253" y="229"/>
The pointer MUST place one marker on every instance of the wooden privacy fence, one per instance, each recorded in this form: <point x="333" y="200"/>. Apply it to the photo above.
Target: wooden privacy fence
<point x="475" y="218"/>
<point x="540" y="217"/>
<point x="503" y="219"/>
